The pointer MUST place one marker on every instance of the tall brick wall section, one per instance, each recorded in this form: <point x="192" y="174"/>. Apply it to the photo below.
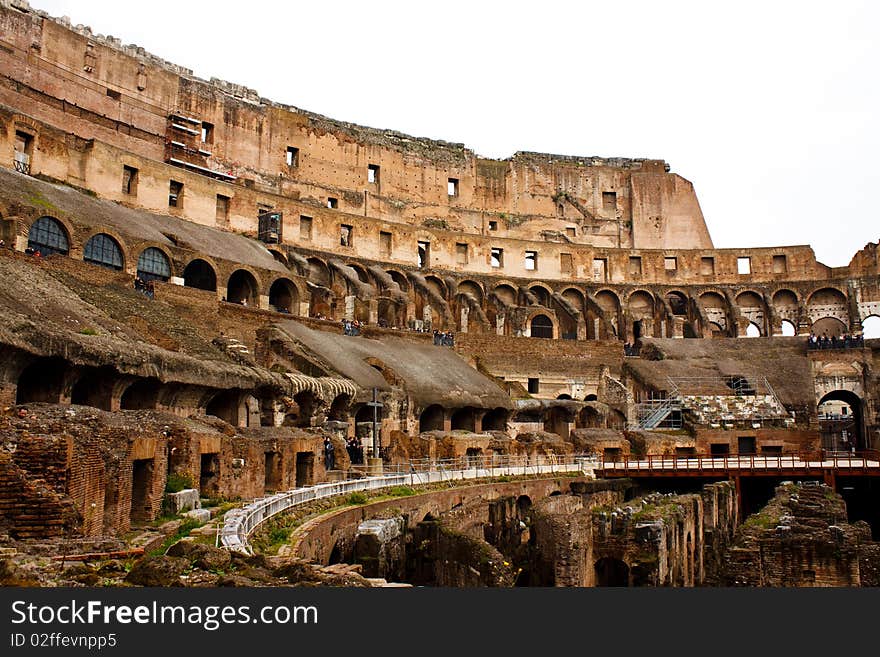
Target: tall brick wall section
<point x="499" y="353"/>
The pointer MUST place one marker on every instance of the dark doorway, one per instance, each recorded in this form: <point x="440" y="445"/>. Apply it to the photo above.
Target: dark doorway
<point x="42" y="381"/>
<point x="142" y="490"/>
<point x="200" y="275"/>
<point x="840" y="422"/>
<point x="140" y="395"/>
<point x="464" y="419"/>
<point x="209" y="475"/>
<point x="719" y="449"/>
<point x="305" y="468"/>
<point x="637" y="330"/>
<point x="94" y="388"/>
<point x="431" y="419"/>
<point x="611" y="572"/>
<point x="746" y="445"/>
<point x="542" y="327"/>
<point x="273" y="472"/>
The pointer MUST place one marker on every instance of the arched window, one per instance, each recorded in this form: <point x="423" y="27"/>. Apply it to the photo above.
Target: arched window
<point x="48" y="236"/>
<point x="542" y="327"/>
<point x="153" y="265"/>
<point x="199" y="274"/>
<point x="101" y="249"/>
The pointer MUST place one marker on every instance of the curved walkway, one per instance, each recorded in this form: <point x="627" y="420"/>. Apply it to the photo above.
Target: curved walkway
<point x="239" y="524"/>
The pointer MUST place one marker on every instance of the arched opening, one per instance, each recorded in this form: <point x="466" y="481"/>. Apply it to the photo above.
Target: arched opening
<point x="225" y="405"/>
<point x="94" y="388"/>
<point x="678" y="303"/>
<point x="335" y="555"/>
<point x="283" y="296"/>
<point x="496" y="420"/>
<point x="871" y="327"/>
<point x="840" y="421"/>
<point x="304" y="409"/>
<point x="753" y="331"/>
<point x="41" y="381"/>
<point x="242" y="288"/>
<point x="506" y="295"/>
<point x="104" y="251"/>
<point x="788" y="328"/>
<point x="611" y="572"/>
<point x="523" y="505"/>
<point x="431" y="419"/>
<point x="464" y="419"/>
<point x="591" y="398"/>
<point x="280" y="257"/>
<point x="48" y="236"/>
<point x="558" y="420"/>
<point x="399" y="278"/>
<point x="564" y="395"/>
<point x="541" y="327"/>
<point x="542" y="294"/>
<point x="339" y="409"/>
<point x="200" y="275"/>
<point x="829" y="326"/>
<point x="716" y="330"/>
<point x="140" y="395"/>
<point x="153" y="265"/>
<point x="590" y="418"/>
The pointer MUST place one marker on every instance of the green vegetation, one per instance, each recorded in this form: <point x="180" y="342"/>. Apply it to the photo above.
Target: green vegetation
<point x="88" y="331"/>
<point x="185" y="528"/>
<point x="401" y="491"/>
<point x="177" y="482"/>
<point x="762" y="520"/>
<point x="357" y="497"/>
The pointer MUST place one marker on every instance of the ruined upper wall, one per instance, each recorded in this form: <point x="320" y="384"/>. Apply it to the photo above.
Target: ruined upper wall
<point x="99" y="89"/>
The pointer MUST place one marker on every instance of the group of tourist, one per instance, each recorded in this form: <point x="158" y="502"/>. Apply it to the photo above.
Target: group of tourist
<point x="845" y="341"/>
<point x="355" y="450"/>
<point x="32" y="251"/>
<point x="351" y="327"/>
<point x="444" y="339"/>
<point x="144" y="287"/>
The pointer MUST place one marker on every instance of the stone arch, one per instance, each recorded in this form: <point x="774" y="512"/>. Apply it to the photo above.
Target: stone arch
<point x="104" y="250"/>
<point x="464" y="419"/>
<point x="431" y="419"/>
<point x="48" y="235"/>
<point x="284" y="296"/>
<point x="437" y="284"/>
<point x="473" y="288"/>
<point x="831" y="326"/>
<point x="226" y="405"/>
<point x="154" y="264"/>
<point x="95" y="387"/>
<point x="279" y="257"/>
<point x="826" y="296"/>
<point x="589" y="418"/>
<point x="496" y="419"/>
<point x="506" y="293"/>
<point x="200" y="274"/>
<point x="785" y="297"/>
<point x="242" y="287"/>
<point x="678" y="302"/>
<point x="340" y="408"/>
<point x="361" y="272"/>
<point x="399" y="278"/>
<point x="828" y="428"/>
<point x="319" y="272"/>
<point x="752" y="331"/>
<point x="140" y="395"/>
<point x="542" y="293"/>
<point x="609" y="302"/>
<point x="542" y="326"/>
<point x="788" y="328"/>
<point x="558" y="420"/>
<point x="576" y="298"/>
<point x="44" y="381"/>
<point x="871" y="327"/>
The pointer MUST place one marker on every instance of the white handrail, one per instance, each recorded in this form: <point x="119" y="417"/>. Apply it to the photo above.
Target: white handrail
<point x="239" y="524"/>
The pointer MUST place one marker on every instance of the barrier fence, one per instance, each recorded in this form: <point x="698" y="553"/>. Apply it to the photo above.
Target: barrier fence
<point x="239" y="524"/>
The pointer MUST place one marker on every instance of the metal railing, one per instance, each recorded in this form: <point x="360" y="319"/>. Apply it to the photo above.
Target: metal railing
<point x="239" y="524"/>
<point x="802" y="461"/>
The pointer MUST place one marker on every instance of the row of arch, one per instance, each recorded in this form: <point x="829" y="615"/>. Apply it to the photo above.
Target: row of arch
<point x="468" y="305"/>
<point x="49" y="236"/>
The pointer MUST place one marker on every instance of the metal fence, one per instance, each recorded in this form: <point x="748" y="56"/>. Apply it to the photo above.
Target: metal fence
<point x="239" y="524"/>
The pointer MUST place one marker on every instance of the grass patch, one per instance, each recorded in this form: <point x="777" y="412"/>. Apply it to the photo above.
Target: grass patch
<point x="357" y="497"/>
<point x="185" y="528"/>
<point x="88" y="331"/>
<point x="761" y="520"/>
<point x="177" y="482"/>
<point x="400" y="491"/>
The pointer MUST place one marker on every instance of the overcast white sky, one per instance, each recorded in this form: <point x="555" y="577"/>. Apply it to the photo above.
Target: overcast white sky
<point x="769" y="108"/>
